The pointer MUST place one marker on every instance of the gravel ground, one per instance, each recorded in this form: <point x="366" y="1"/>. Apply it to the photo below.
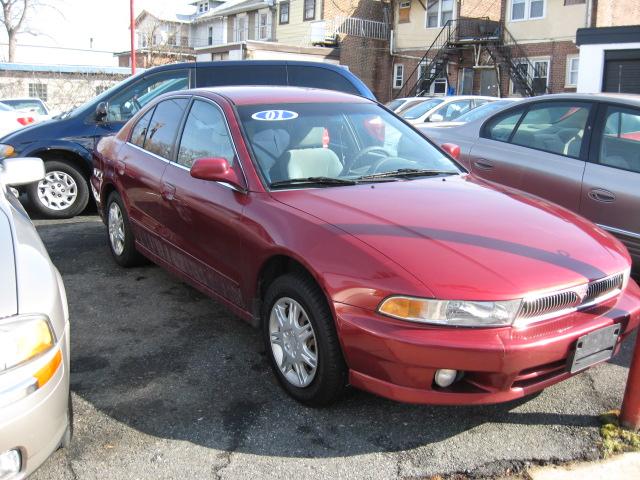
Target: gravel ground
<point x="167" y="384"/>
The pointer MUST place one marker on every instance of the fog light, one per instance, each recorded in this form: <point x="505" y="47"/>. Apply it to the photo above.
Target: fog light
<point x="10" y="464"/>
<point x="445" y="377"/>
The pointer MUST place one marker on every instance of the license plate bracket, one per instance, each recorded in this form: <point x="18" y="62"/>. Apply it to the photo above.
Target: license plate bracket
<point x="594" y="347"/>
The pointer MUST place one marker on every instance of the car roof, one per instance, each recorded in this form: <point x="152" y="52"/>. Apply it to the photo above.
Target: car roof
<point x="225" y="63"/>
<point x="628" y="98"/>
<point x="254" y="95"/>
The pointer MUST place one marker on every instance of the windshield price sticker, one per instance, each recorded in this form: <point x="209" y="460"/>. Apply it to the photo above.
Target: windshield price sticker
<point x="274" y="115"/>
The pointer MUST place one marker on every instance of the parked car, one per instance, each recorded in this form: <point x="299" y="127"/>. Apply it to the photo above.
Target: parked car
<point x="66" y="143"/>
<point x="34" y="106"/>
<point x="35" y="401"/>
<point x="399" y="105"/>
<point x="443" y="109"/>
<point x="579" y="151"/>
<point x="483" y="111"/>
<point x="364" y="261"/>
<point x="11" y="119"/>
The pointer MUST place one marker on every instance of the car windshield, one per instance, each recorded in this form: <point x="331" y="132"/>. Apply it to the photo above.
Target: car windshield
<point x="419" y="110"/>
<point x="27" y="105"/>
<point x="393" y="104"/>
<point x="483" y="110"/>
<point x="5" y="108"/>
<point x="336" y="144"/>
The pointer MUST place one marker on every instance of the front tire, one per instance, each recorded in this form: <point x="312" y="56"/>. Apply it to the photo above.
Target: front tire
<point x="301" y="341"/>
<point x="63" y="193"/>
<point x="121" y="241"/>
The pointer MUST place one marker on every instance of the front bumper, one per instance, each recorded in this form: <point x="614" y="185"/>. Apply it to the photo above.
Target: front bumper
<point x="36" y="423"/>
<point x="398" y="360"/>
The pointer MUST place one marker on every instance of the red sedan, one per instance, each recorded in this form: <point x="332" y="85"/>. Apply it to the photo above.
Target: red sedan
<point x="367" y="256"/>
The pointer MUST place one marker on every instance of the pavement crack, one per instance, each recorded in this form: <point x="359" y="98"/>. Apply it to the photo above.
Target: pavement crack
<point x="217" y="469"/>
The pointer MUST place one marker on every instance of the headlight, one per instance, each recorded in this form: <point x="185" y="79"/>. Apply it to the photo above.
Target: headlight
<point x="24" y="338"/>
<point x="6" y="150"/>
<point x="458" y="313"/>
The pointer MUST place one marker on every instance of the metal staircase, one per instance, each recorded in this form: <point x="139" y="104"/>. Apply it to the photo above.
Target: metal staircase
<point x="472" y="33"/>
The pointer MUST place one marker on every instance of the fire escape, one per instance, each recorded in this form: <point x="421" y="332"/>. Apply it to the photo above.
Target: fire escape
<point x="490" y="41"/>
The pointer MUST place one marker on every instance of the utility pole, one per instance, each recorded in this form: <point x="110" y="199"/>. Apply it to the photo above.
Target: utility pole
<point x="630" y="413"/>
<point x="133" y="38"/>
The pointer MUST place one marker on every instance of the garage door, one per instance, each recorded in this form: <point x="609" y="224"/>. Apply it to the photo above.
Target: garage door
<point x="622" y="71"/>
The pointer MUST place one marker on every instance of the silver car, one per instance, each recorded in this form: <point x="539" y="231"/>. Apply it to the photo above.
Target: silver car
<point x="581" y="151"/>
<point x="35" y="407"/>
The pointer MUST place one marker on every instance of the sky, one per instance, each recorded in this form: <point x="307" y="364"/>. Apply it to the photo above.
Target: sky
<point x="68" y="29"/>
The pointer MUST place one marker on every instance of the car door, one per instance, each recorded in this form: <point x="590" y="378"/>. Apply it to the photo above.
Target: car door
<point x="124" y="104"/>
<point x="203" y="218"/>
<point x="141" y="164"/>
<point x="538" y="148"/>
<point x="611" y="185"/>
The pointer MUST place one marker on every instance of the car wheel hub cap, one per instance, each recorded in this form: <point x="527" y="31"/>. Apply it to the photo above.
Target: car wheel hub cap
<point x="116" y="229"/>
<point x="293" y="342"/>
<point x="57" y="190"/>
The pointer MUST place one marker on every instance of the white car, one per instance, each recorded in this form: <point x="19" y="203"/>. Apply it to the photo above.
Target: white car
<point x="34" y="106"/>
<point x="12" y="119"/>
<point x="443" y="109"/>
<point x="399" y="105"/>
<point x="477" y="113"/>
<point x="35" y="402"/>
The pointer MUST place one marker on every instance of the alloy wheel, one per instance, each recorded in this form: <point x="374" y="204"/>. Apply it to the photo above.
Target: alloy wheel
<point x="116" y="228"/>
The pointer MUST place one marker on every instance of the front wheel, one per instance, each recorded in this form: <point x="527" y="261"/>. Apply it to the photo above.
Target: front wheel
<point x="62" y="193"/>
<point x="301" y="341"/>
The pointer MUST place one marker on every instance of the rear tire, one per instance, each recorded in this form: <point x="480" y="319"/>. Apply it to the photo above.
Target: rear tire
<point x="121" y="241"/>
<point x="63" y="193"/>
<point x="292" y="359"/>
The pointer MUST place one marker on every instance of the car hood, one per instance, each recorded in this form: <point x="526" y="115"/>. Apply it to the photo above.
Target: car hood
<point x="8" y="291"/>
<point x="464" y="238"/>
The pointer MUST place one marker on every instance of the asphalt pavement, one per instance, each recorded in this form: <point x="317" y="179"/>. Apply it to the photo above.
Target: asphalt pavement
<point x="167" y="384"/>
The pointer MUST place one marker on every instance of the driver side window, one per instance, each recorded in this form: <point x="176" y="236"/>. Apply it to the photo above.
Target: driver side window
<point x="129" y="101"/>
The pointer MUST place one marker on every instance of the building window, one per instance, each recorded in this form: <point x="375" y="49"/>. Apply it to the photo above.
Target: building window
<point x="574" y="2"/>
<point x="210" y="36"/>
<point x="263" y="26"/>
<point x="203" y="7"/>
<point x="38" y="90"/>
<point x="240" y="30"/>
<point x="284" y="13"/>
<point x="439" y="12"/>
<point x="527" y="9"/>
<point x="538" y="71"/>
<point x="572" y="71"/>
<point x="404" y="11"/>
<point x="309" y="10"/>
<point x="398" y="75"/>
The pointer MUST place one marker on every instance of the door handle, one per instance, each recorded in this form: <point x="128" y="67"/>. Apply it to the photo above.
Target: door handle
<point x="483" y="164"/>
<point x="168" y="191"/>
<point x="121" y="167"/>
<point x="601" y="195"/>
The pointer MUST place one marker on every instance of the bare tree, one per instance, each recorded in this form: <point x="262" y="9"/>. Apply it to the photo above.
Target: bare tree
<point x="14" y="18"/>
<point x="161" y="42"/>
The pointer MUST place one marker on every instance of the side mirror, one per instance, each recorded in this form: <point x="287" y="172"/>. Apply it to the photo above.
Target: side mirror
<point x="18" y="171"/>
<point x="436" y="117"/>
<point x="216" y="170"/>
<point x="452" y="149"/>
<point x="102" y="110"/>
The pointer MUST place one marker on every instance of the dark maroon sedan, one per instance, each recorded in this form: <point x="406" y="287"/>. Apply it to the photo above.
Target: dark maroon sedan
<point x="366" y="255"/>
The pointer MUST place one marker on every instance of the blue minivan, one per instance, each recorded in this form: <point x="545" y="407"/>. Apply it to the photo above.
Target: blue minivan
<point x="65" y="143"/>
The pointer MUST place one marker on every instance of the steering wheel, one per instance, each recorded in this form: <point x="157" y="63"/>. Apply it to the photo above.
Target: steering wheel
<point x="374" y="149"/>
<point x="400" y="163"/>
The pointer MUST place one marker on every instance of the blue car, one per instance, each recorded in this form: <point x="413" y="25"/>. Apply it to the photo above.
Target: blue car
<point x="66" y="142"/>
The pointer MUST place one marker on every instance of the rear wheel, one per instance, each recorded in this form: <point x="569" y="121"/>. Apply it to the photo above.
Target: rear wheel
<point x="121" y="241"/>
<point x="62" y="193"/>
<point x="301" y="341"/>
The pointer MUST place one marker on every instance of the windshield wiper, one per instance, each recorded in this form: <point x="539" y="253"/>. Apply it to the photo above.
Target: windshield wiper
<point x="408" y="173"/>
<point x="313" y="181"/>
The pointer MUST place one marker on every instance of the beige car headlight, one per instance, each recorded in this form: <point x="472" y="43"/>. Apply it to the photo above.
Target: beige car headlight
<point x="24" y="338"/>
<point x="455" y="313"/>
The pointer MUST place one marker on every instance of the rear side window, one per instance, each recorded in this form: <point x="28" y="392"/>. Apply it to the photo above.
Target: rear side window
<point x="314" y="77"/>
<point x="241" y="75"/>
<point x="555" y="127"/>
<point x="163" y="128"/>
<point x="205" y="135"/>
<point x="620" y="143"/>
<point x="139" y="132"/>
<point x="501" y="126"/>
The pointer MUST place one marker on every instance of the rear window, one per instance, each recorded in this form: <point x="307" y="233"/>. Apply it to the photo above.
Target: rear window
<point x="314" y="77"/>
<point x="28" y="105"/>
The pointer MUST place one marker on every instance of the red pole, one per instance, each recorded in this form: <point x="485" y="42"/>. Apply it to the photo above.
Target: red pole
<point x="133" y="38"/>
<point x="630" y="413"/>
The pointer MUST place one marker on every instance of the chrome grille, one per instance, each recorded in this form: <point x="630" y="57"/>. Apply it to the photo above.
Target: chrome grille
<point x="544" y="306"/>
